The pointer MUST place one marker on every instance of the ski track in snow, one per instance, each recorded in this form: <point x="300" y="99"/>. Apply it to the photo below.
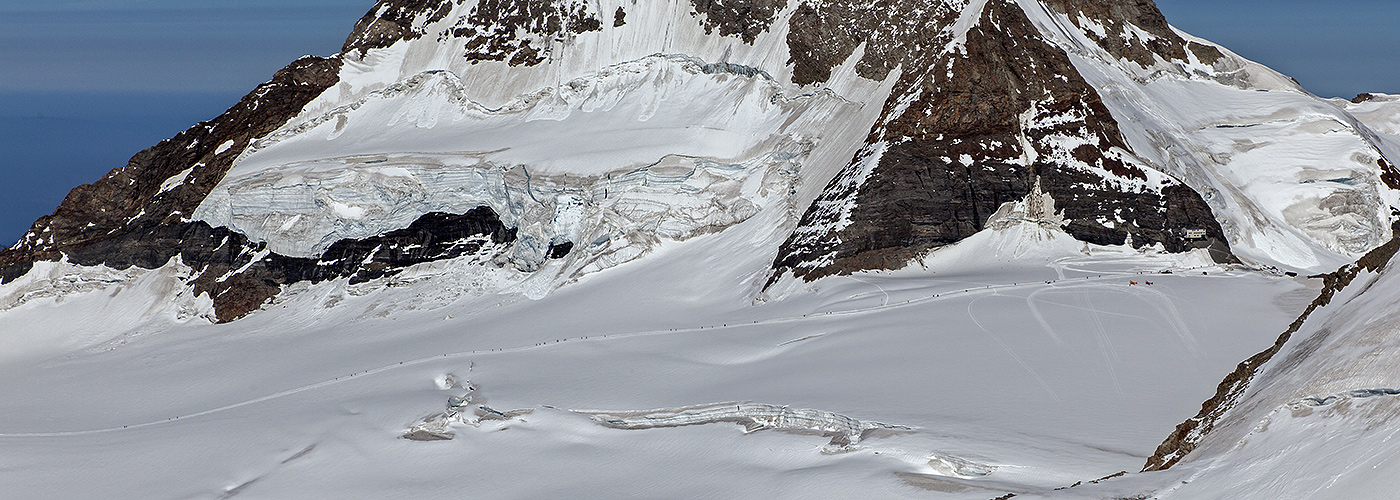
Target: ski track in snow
<point x="1110" y="355"/>
<point x="1040" y="318"/>
<point x="1013" y="354"/>
<point x="877" y="287"/>
<point x="1168" y="311"/>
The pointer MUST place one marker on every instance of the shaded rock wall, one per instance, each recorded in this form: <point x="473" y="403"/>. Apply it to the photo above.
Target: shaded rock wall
<point x="967" y="130"/>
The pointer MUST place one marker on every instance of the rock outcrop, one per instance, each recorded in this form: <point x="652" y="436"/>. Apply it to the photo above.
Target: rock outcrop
<point x="975" y="117"/>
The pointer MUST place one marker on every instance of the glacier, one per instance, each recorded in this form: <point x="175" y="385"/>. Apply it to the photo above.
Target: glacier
<point x="650" y="158"/>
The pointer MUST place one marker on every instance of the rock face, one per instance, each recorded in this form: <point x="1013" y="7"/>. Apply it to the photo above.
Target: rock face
<point x="742" y="18"/>
<point x="136" y="215"/>
<point x="241" y="276"/>
<point x="522" y="31"/>
<point x="967" y="130"/>
<point x="393" y="20"/>
<point x="1111" y="25"/>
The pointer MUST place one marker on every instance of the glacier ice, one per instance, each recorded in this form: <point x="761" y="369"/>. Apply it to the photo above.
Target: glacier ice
<point x="636" y="155"/>
<point x="843" y="430"/>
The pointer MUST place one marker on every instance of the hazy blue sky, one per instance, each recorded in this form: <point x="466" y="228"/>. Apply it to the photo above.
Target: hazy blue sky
<point x="87" y="83"/>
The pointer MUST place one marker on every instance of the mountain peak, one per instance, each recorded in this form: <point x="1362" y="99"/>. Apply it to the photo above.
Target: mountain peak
<point x="963" y="106"/>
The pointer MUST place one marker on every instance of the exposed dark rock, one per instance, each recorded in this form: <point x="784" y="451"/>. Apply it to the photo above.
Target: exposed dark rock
<point x="745" y="19"/>
<point x="241" y="277"/>
<point x="1115" y="16"/>
<point x="125" y="219"/>
<point x="822" y="35"/>
<point x="950" y="147"/>
<point x="1208" y="54"/>
<point x="1188" y="434"/>
<point x="128" y="200"/>
<point x="520" y="31"/>
<point x="241" y="283"/>
<point x="619" y="18"/>
<point x="392" y="20"/>
<point x="1389" y="174"/>
<point x="560" y="250"/>
<point x="1364" y="97"/>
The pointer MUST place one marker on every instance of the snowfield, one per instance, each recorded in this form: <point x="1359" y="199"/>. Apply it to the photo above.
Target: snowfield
<point x="997" y="372"/>
<point x="657" y="357"/>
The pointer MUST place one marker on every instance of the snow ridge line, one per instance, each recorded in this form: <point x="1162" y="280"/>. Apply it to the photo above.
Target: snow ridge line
<point x="521" y="348"/>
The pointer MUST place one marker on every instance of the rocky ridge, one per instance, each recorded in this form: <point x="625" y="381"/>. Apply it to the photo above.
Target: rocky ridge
<point x="118" y="219"/>
<point x="973" y="123"/>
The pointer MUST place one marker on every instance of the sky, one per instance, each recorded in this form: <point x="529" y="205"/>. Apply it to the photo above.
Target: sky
<point x="88" y="83"/>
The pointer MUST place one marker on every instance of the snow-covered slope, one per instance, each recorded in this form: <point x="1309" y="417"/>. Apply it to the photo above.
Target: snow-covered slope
<point x="978" y="373"/>
<point x="1312" y="416"/>
<point x="1381" y="113"/>
<point x="1296" y="180"/>
<point x="687" y="248"/>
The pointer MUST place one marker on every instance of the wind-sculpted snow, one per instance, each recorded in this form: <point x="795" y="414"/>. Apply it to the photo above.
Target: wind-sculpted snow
<point x="843" y="430"/>
<point x="626" y="114"/>
<point x="1380" y="115"/>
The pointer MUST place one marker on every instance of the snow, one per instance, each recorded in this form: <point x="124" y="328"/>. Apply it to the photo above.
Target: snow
<point x="1292" y="177"/>
<point x="967" y="19"/>
<point x="1316" y="421"/>
<point x="634" y="152"/>
<point x="1382" y="115"/>
<point x="651" y="362"/>
<point x="1335" y="450"/>
<point x="117" y="307"/>
<point x="176" y="180"/>
<point x="989" y="367"/>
